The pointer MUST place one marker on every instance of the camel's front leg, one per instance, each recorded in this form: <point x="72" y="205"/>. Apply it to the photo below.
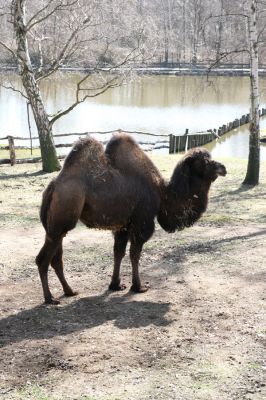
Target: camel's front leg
<point x="120" y="244"/>
<point x="135" y="252"/>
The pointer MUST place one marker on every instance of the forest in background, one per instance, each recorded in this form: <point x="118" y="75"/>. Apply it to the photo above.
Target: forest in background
<point x="50" y="34"/>
<point x="80" y="33"/>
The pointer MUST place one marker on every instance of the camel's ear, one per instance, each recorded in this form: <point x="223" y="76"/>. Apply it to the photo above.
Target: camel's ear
<point x="180" y="180"/>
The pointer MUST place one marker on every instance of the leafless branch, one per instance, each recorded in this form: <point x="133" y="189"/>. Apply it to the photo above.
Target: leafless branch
<point x="8" y="48"/>
<point x="61" y="6"/>
<point x="63" y="53"/>
<point x="15" y="90"/>
<point x="109" y="85"/>
<point x="39" y="12"/>
<point x="224" y="55"/>
<point x="261" y="31"/>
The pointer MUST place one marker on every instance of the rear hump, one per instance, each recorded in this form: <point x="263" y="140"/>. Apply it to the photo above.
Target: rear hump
<point x="127" y="156"/>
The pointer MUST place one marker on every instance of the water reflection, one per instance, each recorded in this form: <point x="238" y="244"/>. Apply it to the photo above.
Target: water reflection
<point x="159" y="104"/>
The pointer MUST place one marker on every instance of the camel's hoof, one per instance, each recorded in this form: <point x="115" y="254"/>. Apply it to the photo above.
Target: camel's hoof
<point x="117" y="287"/>
<point x="51" y="300"/>
<point x="71" y="293"/>
<point x="139" y="289"/>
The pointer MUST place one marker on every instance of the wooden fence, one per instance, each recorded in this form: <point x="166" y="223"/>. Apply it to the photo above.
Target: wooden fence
<point x="161" y="141"/>
<point x="178" y="144"/>
<point x="187" y="141"/>
<point x="175" y="143"/>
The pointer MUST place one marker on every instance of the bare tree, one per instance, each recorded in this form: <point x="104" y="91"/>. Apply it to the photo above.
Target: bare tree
<point x="55" y="32"/>
<point x="247" y="12"/>
<point x="48" y="151"/>
<point x="253" y="169"/>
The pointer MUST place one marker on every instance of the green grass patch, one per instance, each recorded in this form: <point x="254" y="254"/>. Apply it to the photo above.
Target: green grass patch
<point x="33" y="392"/>
<point x="230" y="203"/>
<point x="20" y="153"/>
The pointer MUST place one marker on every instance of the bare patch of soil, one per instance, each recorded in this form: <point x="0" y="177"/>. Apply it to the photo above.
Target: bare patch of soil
<point x="199" y="333"/>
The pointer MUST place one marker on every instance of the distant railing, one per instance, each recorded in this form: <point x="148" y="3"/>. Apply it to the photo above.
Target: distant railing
<point x="162" y="142"/>
<point x="187" y="141"/>
<point x="179" y="143"/>
<point x="161" y="67"/>
<point x="175" y="143"/>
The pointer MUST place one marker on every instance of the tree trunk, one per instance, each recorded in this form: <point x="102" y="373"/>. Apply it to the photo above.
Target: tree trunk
<point x="50" y="161"/>
<point x="166" y="43"/>
<point x="184" y="28"/>
<point x="253" y="169"/>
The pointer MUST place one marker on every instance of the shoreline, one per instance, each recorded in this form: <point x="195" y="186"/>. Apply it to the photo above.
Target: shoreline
<point x="162" y="70"/>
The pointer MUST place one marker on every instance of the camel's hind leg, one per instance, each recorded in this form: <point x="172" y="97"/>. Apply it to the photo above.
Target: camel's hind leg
<point x="57" y="264"/>
<point x="43" y="260"/>
<point x="63" y="213"/>
<point x="121" y="239"/>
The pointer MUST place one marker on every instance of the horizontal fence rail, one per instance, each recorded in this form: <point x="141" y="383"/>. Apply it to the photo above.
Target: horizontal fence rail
<point x="175" y="143"/>
<point x="178" y="144"/>
<point x="187" y="141"/>
<point x="161" y="142"/>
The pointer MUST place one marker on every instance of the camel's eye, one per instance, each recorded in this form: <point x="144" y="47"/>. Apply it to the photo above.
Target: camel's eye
<point x="199" y="166"/>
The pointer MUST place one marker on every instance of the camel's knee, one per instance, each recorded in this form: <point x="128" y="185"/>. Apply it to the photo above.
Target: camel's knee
<point x="120" y="244"/>
<point x="47" y="252"/>
<point x="40" y="258"/>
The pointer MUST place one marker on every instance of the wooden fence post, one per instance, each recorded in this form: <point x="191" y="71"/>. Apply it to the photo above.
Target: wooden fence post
<point x="186" y="145"/>
<point x="11" y="150"/>
<point x="171" y="144"/>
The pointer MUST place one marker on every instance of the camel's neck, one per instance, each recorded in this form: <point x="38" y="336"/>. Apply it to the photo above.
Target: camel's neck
<point x="179" y="210"/>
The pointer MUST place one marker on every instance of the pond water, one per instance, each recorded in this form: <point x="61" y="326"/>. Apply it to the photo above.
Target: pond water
<point x="157" y="104"/>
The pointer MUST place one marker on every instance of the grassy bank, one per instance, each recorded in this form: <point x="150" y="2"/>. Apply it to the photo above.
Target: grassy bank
<point x="20" y="153"/>
<point x="198" y="333"/>
<point x="21" y="188"/>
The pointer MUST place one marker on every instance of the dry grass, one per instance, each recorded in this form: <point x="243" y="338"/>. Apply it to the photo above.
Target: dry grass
<point x="198" y="333"/>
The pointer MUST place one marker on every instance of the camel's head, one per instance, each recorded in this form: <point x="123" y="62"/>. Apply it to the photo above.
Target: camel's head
<point x="198" y="163"/>
<point x="196" y="168"/>
<point x="186" y="195"/>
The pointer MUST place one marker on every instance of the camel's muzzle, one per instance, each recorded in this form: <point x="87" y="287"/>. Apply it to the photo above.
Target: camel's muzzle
<point x="220" y="169"/>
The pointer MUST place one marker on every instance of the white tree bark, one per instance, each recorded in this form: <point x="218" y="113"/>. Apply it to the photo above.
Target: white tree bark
<point x="252" y="176"/>
<point x="48" y="151"/>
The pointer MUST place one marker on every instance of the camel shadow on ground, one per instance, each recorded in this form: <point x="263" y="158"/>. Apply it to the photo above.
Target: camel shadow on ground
<point x="44" y="322"/>
<point x="215" y="244"/>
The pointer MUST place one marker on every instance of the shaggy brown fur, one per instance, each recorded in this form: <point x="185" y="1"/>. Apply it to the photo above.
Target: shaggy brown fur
<point x="120" y="189"/>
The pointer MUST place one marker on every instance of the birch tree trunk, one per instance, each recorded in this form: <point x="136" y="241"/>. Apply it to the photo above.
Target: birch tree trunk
<point x="253" y="169"/>
<point x="50" y="161"/>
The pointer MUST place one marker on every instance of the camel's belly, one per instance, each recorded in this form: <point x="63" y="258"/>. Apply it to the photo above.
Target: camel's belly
<point x="101" y="220"/>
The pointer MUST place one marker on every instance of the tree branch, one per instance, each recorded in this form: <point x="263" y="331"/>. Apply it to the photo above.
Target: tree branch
<point x="78" y="101"/>
<point x="62" y="55"/>
<point x="8" y="48"/>
<point x="224" y="55"/>
<point x="261" y="31"/>
<point x="39" y="12"/>
<point x="112" y="83"/>
<point x="61" y="6"/>
<point x="15" y="90"/>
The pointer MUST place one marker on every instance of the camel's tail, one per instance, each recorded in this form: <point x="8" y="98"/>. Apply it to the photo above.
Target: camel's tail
<point x="46" y="201"/>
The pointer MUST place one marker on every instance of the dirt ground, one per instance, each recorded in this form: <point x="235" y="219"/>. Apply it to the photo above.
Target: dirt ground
<point x="199" y="333"/>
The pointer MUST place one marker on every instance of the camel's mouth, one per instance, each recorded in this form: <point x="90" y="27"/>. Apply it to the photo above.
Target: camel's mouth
<point x="221" y="170"/>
